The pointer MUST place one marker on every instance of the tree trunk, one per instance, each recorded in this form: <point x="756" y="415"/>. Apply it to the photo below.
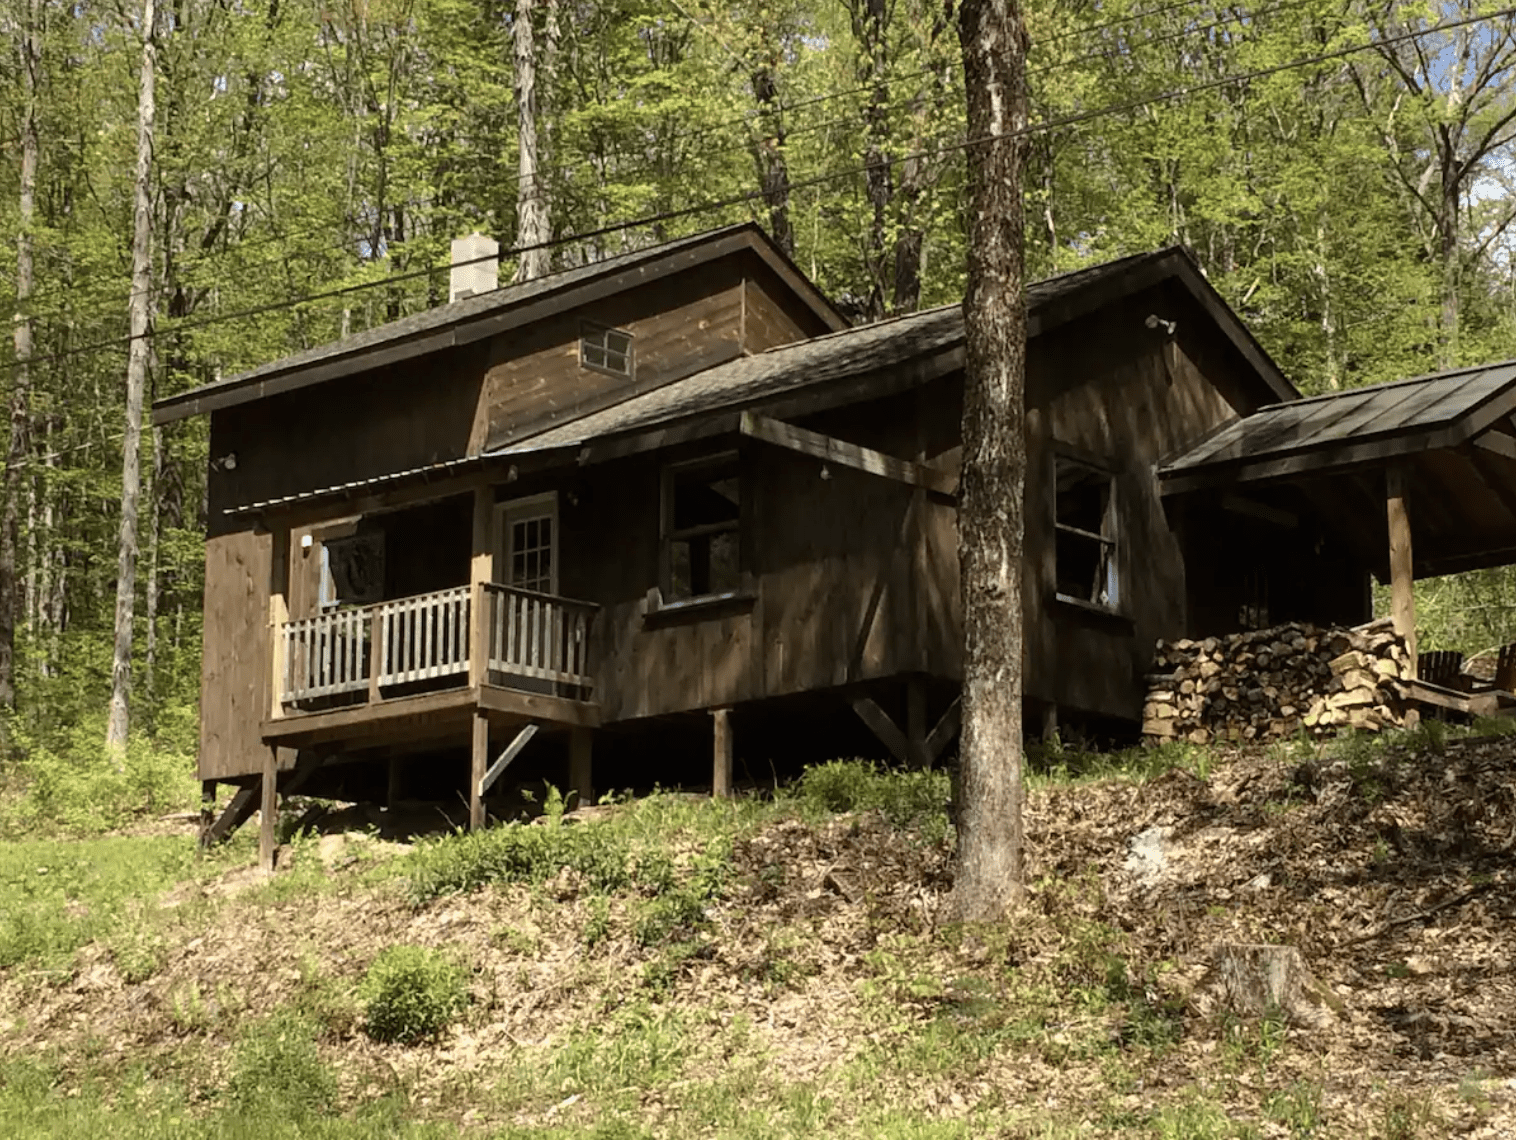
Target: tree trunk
<point x="154" y="535"/>
<point x="533" y="226"/>
<point x="136" y="385"/>
<point x="773" y="169"/>
<point x="1447" y="233"/>
<point x="20" y="401"/>
<point x="869" y="30"/>
<point x="989" y="871"/>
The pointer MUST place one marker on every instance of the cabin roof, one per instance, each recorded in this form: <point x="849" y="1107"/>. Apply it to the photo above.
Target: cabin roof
<point x="486" y="314"/>
<point x="932" y="339"/>
<point x="887" y="344"/>
<point x="1352" y="427"/>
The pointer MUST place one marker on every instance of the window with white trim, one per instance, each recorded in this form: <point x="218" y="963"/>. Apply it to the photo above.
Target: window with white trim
<point x="702" y="539"/>
<point x="609" y="350"/>
<point x="1085" y="533"/>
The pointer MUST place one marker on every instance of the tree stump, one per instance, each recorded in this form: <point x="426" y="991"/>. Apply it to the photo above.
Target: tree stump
<point x="1268" y="981"/>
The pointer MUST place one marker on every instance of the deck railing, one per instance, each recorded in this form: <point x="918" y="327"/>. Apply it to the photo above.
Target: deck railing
<point x="427" y="638"/>
<point x="539" y="636"/>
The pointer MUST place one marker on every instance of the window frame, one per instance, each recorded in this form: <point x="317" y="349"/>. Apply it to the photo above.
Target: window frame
<point x="668" y="534"/>
<point x="1109" y="537"/>
<point x="589" y="331"/>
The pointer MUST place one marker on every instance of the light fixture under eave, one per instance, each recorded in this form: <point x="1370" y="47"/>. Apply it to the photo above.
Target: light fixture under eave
<point x="826" y="472"/>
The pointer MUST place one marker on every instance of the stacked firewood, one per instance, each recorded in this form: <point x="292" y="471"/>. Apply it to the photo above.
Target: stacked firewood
<point x="1271" y="683"/>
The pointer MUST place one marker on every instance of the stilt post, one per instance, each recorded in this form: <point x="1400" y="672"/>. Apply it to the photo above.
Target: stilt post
<point x="580" y="741"/>
<point x="721" y="771"/>
<point x="207" y="811"/>
<point x="268" y="821"/>
<point x="479" y="760"/>
<point x="915" y="723"/>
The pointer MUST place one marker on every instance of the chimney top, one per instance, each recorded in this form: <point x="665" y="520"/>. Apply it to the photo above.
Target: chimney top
<point x="483" y="275"/>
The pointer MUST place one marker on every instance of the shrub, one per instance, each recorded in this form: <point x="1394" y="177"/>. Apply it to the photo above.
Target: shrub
<point x="519" y="853"/>
<point x="276" y="1069"/>
<point x="906" y="799"/>
<point x="412" y="994"/>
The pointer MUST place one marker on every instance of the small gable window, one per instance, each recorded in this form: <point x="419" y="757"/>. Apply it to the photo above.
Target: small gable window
<point x="1086" y="534"/>
<point x="702" y="515"/>
<point x="609" y="350"/>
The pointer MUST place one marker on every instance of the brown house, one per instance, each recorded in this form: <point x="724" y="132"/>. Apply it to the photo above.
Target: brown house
<point x="671" y="497"/>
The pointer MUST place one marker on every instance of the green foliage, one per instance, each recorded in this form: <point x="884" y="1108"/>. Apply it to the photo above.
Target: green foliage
<point x="277" y="1070"/>
<point x="73" y="786"/>
<point x="412" y="994"/>
<point x="520" y="853"/>
<point x="57" y="895"/>
<point x="1297" y="1107"/>
<point x="907" y="799"/>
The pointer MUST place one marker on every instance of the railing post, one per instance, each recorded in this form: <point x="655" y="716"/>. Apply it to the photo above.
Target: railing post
<point x="481" y="571"/>
<point x="376" y="648"/>
<point x="278" y="615"/>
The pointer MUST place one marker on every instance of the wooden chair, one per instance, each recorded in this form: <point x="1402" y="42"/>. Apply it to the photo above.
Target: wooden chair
<point x="1505" y="668"/>
<point x="1440" y="667"/>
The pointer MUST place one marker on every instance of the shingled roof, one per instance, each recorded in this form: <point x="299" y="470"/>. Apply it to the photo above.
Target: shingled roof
<point x="931" y="341"/>
<point x="486" y="314"/>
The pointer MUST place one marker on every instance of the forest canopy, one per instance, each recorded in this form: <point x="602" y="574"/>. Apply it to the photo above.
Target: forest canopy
<point x="1342" y="170"/>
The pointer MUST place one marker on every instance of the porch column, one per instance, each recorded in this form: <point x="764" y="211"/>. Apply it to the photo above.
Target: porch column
<point x="1402" y="596"/>
<point x="721" y="769"/>
<point x="278" y="614"/>
<point x="481" y="572"/>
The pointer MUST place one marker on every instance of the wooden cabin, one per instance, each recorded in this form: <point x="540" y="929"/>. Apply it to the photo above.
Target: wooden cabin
<point x="671" y="497"/>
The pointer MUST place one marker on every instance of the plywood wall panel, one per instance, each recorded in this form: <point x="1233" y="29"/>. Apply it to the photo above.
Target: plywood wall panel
<point x="234" y="684"/>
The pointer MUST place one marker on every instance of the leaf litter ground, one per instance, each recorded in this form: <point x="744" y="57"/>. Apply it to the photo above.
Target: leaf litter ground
<point x="816" y="992"/>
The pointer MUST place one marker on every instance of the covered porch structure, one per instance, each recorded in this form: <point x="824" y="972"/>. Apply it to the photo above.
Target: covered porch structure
<point x="1417" y="477"/>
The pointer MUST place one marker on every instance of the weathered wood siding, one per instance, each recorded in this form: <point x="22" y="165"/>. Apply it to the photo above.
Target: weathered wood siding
<point x="1127" y="397"/>
<point x="680" y="325"/>
<point x="235" y="668"/>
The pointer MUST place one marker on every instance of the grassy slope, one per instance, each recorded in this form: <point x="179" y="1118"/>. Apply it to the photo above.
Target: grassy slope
<point x="678" y="968"/>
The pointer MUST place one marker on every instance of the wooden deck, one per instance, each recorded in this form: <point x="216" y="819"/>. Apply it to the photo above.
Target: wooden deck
<point x="438" y="717"/>
<point x="420" y="669"/>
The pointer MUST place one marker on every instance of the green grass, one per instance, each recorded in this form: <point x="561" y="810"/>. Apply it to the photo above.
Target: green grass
<point x="57" y="895"/>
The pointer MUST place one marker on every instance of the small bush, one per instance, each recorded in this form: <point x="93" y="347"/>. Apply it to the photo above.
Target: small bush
<point x="906" y="799"/>
<point x="519" y="853"/>
<point x="276" y="1069"/>
<point x="412" y="994"/>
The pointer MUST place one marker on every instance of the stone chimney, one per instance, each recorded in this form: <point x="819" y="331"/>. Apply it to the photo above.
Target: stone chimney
<point x="465" y="280"/>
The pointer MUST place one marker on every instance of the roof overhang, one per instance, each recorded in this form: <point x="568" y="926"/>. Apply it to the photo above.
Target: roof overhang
<point x="1450" y="437"/>
<point x="477" y="318"/>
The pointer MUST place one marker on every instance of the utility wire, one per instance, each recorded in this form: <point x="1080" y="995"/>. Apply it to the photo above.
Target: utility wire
<point x="937" y="101"/>
<point x="747" y="197"/>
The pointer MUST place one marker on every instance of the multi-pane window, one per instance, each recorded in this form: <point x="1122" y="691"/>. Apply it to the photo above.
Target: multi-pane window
<point x="606" y="349"/>
<point x="702" y="538"/>
<point x="1086" y="533"/>
<point x="532" y="553"/>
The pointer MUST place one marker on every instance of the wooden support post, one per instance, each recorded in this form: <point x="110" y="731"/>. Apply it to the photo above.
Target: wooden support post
<point x="1402" y="575"/>
<point x="915" y="723"/>
<point x="207" y="811"/>
<point x="580" y="741"/>
<point x="278" y="614"/>
<point x="268" y="823"/>
<point x="721" y="769"/>
<point x="377" y="651"/>
<point x="1049" y="721"/>
<point x="479" y="759"/>
<point x="392" y="784"/>
<point x="481" y="572"/>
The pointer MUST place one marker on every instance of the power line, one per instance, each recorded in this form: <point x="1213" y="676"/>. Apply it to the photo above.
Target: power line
<point x="1059" y="122"/>
<point x="935" y="103"/>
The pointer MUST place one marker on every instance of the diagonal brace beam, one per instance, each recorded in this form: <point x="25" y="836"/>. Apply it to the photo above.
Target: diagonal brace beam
<point x="511" y="752"/>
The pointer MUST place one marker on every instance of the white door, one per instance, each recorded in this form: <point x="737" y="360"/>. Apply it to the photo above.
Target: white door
<point x="526" y="550"/>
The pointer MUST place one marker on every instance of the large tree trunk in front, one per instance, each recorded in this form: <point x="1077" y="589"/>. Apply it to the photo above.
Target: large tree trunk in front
<point x="20" y="401"/>
<point x="1447" y="234"/>
<point x="136" y="387"/>
<point x="869" y="29"/>
<point x="991" y="508"/>
<point x="533" y="226"/>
